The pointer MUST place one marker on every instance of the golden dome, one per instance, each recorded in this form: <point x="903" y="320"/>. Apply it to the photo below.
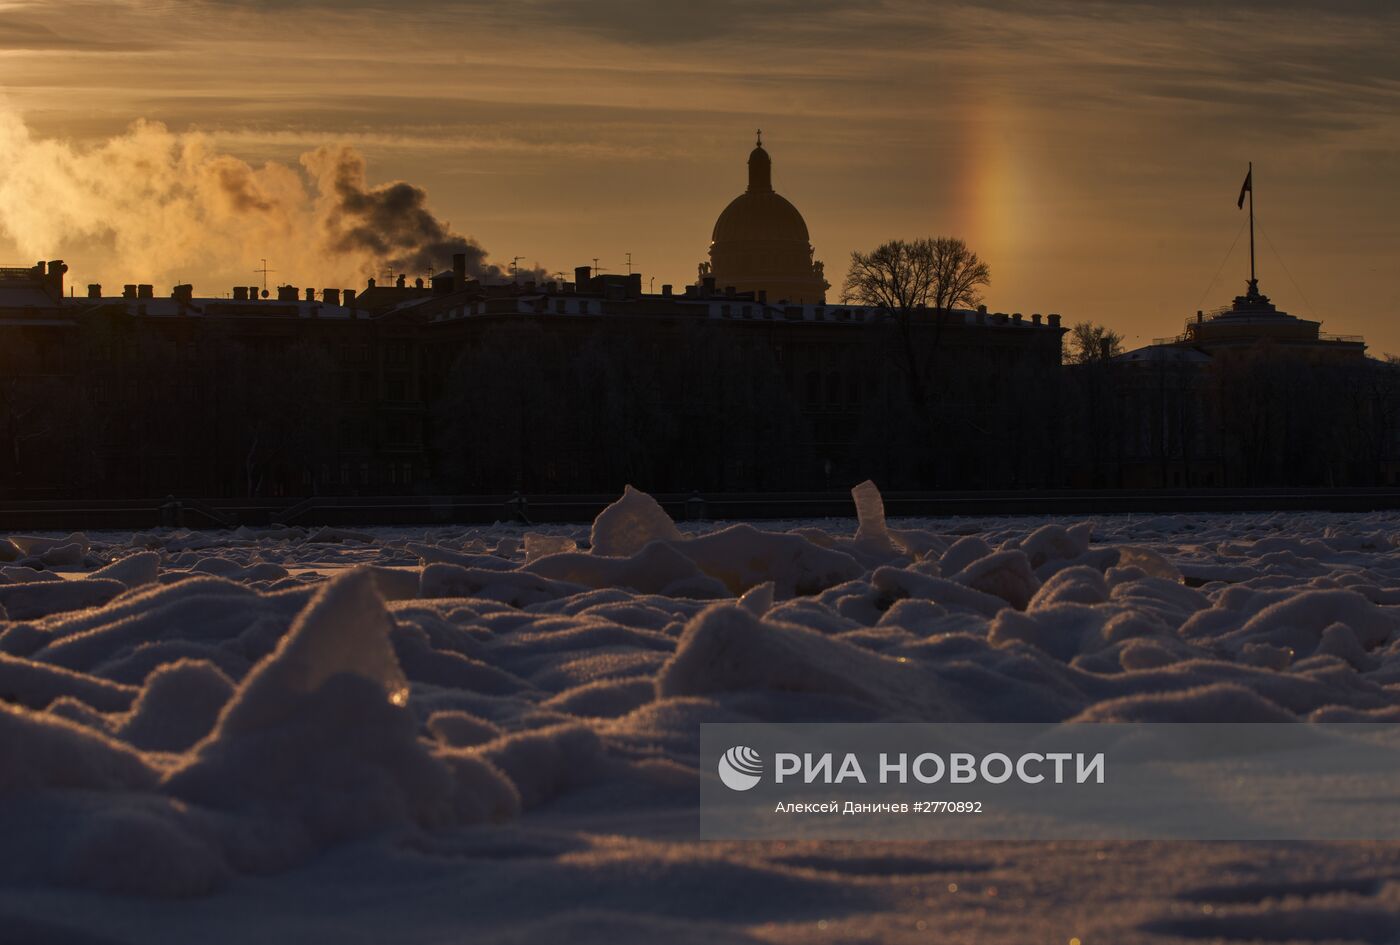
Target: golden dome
<point x="760" y="242"/>
<point x="760" y="215"/>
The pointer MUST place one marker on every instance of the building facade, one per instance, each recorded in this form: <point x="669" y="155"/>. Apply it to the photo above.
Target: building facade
<point x="459" y="387"/>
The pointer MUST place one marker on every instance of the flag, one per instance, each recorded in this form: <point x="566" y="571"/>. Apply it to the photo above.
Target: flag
<point x="1247" y="188"/>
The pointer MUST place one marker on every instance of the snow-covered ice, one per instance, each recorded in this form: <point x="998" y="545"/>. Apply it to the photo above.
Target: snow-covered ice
<point x="491" y="734"/>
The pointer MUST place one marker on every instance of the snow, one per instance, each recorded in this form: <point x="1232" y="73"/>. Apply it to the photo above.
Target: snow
<point x="491" y="733"/>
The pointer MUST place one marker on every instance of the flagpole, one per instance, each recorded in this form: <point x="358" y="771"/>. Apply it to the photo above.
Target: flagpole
<point x="1253" y="280"/>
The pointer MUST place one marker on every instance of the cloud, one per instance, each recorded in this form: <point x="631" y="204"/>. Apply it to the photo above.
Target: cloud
<point x="20" y="30"/>
<point x="163" y="204"/>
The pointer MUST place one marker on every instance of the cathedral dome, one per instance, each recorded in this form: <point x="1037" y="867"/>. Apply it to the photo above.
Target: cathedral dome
<point x="760" y="242"/>
<point x="760" y="215"/>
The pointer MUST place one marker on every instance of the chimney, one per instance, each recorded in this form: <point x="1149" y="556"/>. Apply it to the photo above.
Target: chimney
<point x="330" y="296"/>
<point x="310" y="295"/>
<point x="1016" y="317"/>
<point x="183" y="292"/>
<point x="634" y="285"/>
<point x="56" y="271"/>
<point x="94" y="290"/>
<point x="1054" y="319"/>
<point x="729" y="291"/>
<point x="370" y="283"/>
<point x="583" y="277"/>
<point x="253" y="292"/>
<point x="459" y="270"/>
<point x="349" y="296"/>
<point x="763" y="296"/>
<point x="286" y="293"/>
<point x="145" y="291"/>
<point x="402" y="281"/>
<point x="240" y="293"/>
<point x="666" y="289"/>
<point x="709" y="285"/>
<point x="1036" y="318"/>
<point x="418" y="283"/>
<point x="129" y="291"/>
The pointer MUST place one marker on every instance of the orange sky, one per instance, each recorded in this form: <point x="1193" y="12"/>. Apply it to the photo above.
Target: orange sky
<point x="1090" y="152"/>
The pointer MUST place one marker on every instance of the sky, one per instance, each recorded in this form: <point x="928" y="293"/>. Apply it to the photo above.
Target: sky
<point x="1090" y="152"/>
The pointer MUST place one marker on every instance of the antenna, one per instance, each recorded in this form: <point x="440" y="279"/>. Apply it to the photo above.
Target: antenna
<point x="629" y="264"/>
<point x="596" y="270"/>
<point x="514" y="268"/>
<point x="264" y="270"/>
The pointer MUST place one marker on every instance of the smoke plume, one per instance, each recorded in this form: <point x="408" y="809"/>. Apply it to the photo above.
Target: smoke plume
<point x="152" y="205"/>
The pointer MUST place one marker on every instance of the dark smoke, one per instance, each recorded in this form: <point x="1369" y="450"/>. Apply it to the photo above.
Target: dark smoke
<point x="391" y="222"/>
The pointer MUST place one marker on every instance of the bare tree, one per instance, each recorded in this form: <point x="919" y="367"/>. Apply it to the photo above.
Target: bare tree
<point x="901" y="276"/>
<point x="907" y="279"/>
<point x="1089" y="343"/>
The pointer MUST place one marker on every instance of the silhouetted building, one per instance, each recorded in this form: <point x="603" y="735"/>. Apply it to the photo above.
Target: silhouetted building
<point x="1254" y="320"/>
<point x="563" y="387"/>
<point x="1246" y="395"/>
<point x="760" y="243"/>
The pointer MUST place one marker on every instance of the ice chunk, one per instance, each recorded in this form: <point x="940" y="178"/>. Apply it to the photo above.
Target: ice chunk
<point x="42" y="598"/>
<point x="317" y="743"/>
<point x="1061" y="630"/>
<point x="344" y="630"/>
<point x="1004" y="574"/>
<point x="1298" y="621"/>
<point x="871" y="535"/>
<point x="539" y="545"/>
<point x="894" y="584"/>
<point x="758" y="600"/>
<point x="658" y="568"/>
<point x="69" y="555"/>
<point x="547" y="762"/>
<point x="726" y="648"/>
<point x="135" y="570"/>
<point x="1148" y="561"/>
<point x="178" y="706"/>
<point x="1079" y="584"/>
<point x="34" y="546"/>
<point x="631" y="523"/>
<point x="40" y="751"/>
<point x="963" y="552"/>
<point x="1054" y="543"/>
<point x="516" y="588"/>
<point x="436" y="554"/>
<point x="202" y="608"/>
<point x="742" y="557"/>
<point x="36" y="685"/>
